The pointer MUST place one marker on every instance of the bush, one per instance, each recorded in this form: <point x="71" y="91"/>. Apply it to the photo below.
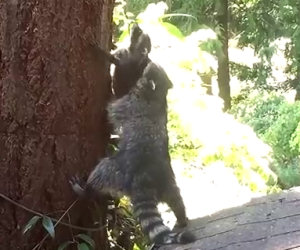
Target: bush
<point x="202" y="135"/>
<point x="280" y="134"/>
<point x="288" y="173"/>
<point x="295" y="143"/>
<point x="259" y="111"/>
<point x="277" y="122"/>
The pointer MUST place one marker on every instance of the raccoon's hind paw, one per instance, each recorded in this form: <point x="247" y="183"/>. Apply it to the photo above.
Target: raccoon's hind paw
<point x="183" y="237"/>
<point x="181" y="224"/>
<point x="186" y="237"/>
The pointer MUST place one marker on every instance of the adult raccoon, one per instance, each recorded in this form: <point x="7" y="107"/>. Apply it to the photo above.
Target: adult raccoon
<point x="141" y="168"/>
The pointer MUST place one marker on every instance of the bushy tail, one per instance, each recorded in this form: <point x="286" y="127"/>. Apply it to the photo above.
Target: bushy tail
<point x="152" y="225"/>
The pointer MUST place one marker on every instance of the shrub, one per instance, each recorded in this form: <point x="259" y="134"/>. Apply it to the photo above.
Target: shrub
<point x="277" y="123"/>
<point x="259" y="111"/>
<point x="280" y="134"/>
<point x="205" y="135"/>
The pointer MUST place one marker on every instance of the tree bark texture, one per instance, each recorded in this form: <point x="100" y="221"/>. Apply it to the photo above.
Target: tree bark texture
<point x="297" y="83"/>
<point x="223" y="60"/>
<point x="53" y="96"/>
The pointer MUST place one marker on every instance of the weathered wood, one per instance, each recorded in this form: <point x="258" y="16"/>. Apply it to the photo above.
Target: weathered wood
<point x="269" y="223"/>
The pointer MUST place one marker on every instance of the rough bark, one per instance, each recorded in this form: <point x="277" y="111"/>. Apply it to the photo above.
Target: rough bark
<point x="269" y="223"/>
<point x="223" y="60"/>
<point x="52" y="109"/>
<point x="297" y="84"/>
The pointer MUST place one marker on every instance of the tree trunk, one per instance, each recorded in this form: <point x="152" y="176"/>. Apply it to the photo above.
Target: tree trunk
<point x="297" y="83"/>
<point x="223" y="61"/>
<point x="207" y="82"/>
<point x="52" y="111"/>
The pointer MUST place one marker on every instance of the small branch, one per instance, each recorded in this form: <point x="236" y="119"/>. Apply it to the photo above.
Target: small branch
<point x="39" y="245"/>
<point x="90" y="229"/>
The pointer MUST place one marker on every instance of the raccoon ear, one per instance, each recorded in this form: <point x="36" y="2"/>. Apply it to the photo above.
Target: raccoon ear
<point x="153" y="85"/>
<point x="145" y="51"/>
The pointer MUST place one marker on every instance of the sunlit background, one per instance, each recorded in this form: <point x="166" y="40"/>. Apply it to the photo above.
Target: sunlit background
<point x="222" y="159"/>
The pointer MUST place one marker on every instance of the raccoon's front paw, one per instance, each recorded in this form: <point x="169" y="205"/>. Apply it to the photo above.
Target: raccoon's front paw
<point x="76" y="185"/>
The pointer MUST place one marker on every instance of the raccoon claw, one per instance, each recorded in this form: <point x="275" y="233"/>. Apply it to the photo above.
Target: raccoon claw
<point x="75" y="183"/>
<point x="74" y="179"/>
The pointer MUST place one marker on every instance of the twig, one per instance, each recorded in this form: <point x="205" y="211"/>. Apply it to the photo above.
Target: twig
<point x="39" y="245"/>
<point x="90" y="229"/>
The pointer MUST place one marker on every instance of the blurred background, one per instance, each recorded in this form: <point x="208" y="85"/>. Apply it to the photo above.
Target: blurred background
<point x="233" y="111"/>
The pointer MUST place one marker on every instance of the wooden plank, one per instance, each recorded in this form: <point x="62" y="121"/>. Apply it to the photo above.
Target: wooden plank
<point x="269" y="223"/>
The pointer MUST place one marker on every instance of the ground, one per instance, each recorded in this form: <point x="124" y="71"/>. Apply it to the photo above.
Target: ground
<point x="271" y="222"/>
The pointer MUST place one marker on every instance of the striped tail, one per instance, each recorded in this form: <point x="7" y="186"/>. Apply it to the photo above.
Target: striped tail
<point x="152" y="225"/>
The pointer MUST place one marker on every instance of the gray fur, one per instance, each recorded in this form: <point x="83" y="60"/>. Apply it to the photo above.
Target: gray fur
<point x="131" y="62"/>
<point x="141" y="168"/>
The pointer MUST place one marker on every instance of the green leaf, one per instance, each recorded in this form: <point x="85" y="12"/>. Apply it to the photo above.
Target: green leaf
<point x="64" y="245"/>
<point x="83" y="246"/>
<point x="31" y="223"/>
<point x="173" y="30"/>
<point x="136" y="247"/>
<point x="124" y="34"/>
<point x="180" y="15"/>
<point x="87" y="239"/>
<point x="48" y="225"/>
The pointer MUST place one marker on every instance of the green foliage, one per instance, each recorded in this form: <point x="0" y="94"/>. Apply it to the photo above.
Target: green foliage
<point x="31" y="223"/>
<point x="280" y="133"/>
<point x="288" y="173"/>
<point x="123" y="225"/>
<point x="129" y="11"/>
<point x="122" y="19"/>
<point x="87" y="239"/>
<point x="257" y="23"/>
<point x="257" y="75"/>
<point x="212" y="46"/>
<point x="259" y="111"/>
<point x="172" y="29"/>
<point x="154" y="14"/>
<point x="83" y="246"/>
<point x="181" y="144"/>
<point x="202" y="135"/>
<point x="64" y="245"/>
<point x="277" y="123"/>
<point x="137" y="6"/>
<point x="247" y="167"/>
<point x="48" y="225"/>
<point x="200" y="18"/>
<point x="295" y="142"/>
<point x="82" y="241"/>
<point x="261" y="23"/>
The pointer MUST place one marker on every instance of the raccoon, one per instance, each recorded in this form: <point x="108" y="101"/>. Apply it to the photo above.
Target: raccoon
<point x="141" y="168"/>
<point x="129" y="62"/>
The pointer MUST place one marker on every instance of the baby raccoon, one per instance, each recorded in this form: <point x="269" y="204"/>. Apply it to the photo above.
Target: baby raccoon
<point x="129" y="62"/>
